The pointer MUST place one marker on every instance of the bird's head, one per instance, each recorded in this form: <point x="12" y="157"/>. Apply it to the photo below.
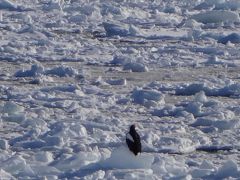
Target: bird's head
<point x="132" y="128"/>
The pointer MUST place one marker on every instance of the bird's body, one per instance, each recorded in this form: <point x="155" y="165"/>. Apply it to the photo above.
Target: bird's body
<point x="133" y="141"/>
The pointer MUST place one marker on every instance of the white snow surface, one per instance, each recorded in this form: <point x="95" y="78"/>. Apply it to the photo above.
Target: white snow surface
<point x="76" y="74"/>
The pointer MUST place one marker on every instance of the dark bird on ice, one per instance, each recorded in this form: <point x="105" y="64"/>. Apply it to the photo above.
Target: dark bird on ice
<point x="133" y="141"/>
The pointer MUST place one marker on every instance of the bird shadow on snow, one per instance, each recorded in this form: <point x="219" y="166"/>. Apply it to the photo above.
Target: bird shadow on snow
<point x="121" y="158"/>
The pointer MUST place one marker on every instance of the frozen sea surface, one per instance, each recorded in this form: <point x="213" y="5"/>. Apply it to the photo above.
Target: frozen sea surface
<point x="76" y="74"/>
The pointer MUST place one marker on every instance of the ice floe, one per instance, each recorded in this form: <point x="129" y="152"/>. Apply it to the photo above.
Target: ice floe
<point x="76" y="74"/>
<point x="216" y="17"/>
<point x="231" y="38"/>
<point x="147" y="97"/>
<point x="6" y="4"/>
<point x="135" y="67"/>
<point x="38" y="70"/>
<point x="113" y="29"/>
<point x="122" y="158"/>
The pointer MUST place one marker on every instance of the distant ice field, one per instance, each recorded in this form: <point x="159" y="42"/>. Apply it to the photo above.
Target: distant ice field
<point x="74" y="75"/>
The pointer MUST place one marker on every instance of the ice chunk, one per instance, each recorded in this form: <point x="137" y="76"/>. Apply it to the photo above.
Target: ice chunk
<point x="63" y="88"/>
<point x="54" y="141"/>
<point x="194" y="108"/>
<point x="35" y="70"/>
<point x="1" y="16"/>
<point x="44" y="156"/>
<point x="190" y="89"/>
<point x="79" y="18"/>
<point x="221" y="124"/>
<point x="77" y="161"/>
<point x="77" y="130"/>
<point x="212" y="2"/>
<point x="230" y="89"/>
<point x="117" y="82"/>
<point x="176" y="145"/>
<point x="34" y="144"/>
<point x="140" y="174"/>
<point x="53" y="4"/>
<point x="119" y="29"/>
<point x="201" y="173"/>
<point x="36" y="123"/>
<point x="122" y="158"/>
<point x="18" y="118"/>
<point x="171" y="166"/>
<point x="191" y="23"/>
<point x="4" y="144"/>
<point x="7" y="4"/>
<point x="168" y="110"/>
<point x="232" y="5"/>
<point x="99" y="174"/>
<point x="61" y="71"/>
<point x="120" y="60"/>
<point x="147" y="97"/>
<point x="229" y="169"/>
<point x="200" y="97"/>
<point x="115" y="29"/>
<point x="216" y="17"/>
<point x="36" y="81"/>
<point x="206" y="165"/>
<point x="14" y="112"/>
<point x="43" y="170"/>
<point x="15" y="165"/>
<point x="233" y="38"/>
<point x="135" y="67"/>
<point x="204" y="170"/>
<point x="213" y="60"/>
<point x="6" y="175"/>
<point x="12" y="108"/>
<point x="99" y="81"/>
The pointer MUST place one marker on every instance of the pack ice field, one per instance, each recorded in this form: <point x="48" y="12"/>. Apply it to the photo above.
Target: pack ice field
<point x="76" y="74"/>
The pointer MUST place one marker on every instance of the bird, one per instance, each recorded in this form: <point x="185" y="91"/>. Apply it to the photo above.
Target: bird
<point x="133" y="141"/>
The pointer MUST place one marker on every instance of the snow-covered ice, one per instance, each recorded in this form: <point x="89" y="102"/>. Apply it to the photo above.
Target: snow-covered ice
<point x="217" y="17"/>
<point x="76" y="74"/>
<point x="122" y="158"/>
